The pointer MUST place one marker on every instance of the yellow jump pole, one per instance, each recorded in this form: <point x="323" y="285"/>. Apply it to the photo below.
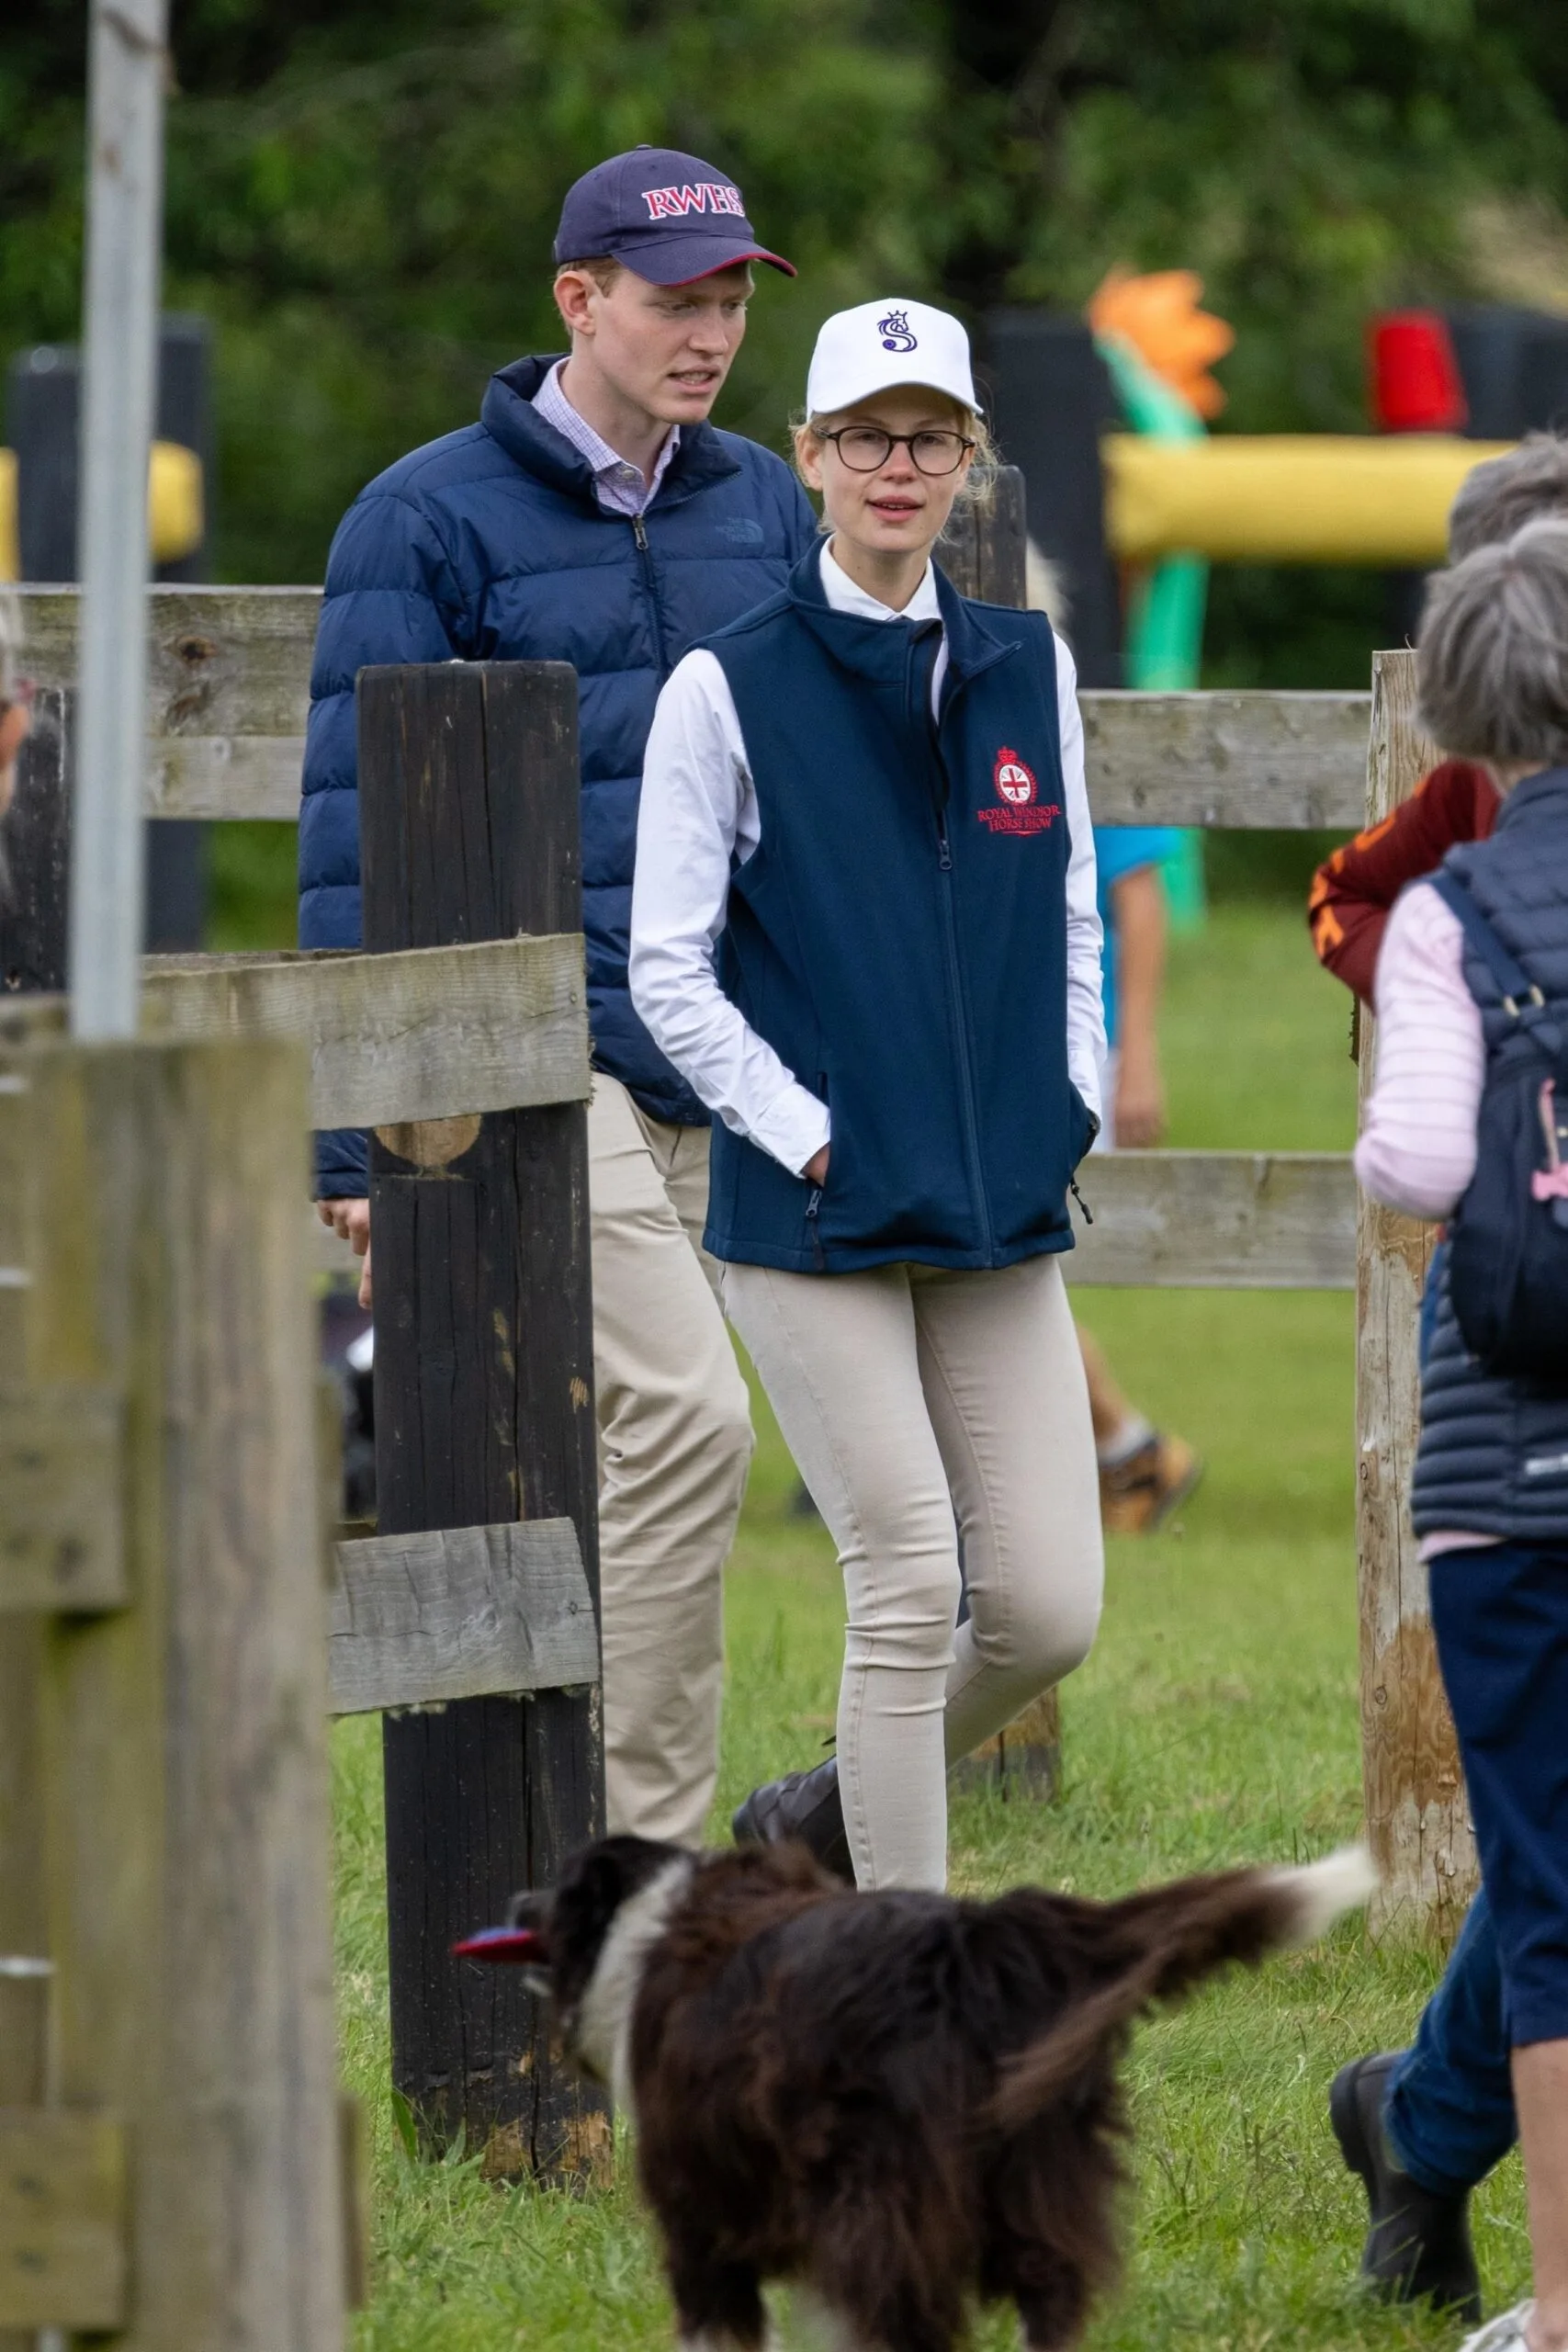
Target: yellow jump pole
<point x="1287" y="498"/>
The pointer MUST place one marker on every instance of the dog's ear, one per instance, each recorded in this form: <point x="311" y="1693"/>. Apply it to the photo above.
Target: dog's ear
<point x="532" y="1908"/>
<point x="600" y="1887"/>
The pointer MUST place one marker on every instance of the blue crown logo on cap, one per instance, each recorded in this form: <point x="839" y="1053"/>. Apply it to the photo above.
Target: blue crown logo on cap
<point x="894" y="331"/>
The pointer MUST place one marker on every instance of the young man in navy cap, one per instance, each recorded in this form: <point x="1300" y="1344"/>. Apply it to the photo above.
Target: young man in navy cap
<point x="594" y="516"/>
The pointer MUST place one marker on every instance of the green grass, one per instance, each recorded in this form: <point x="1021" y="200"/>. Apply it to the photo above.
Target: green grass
<point x="1215" y="1723"/>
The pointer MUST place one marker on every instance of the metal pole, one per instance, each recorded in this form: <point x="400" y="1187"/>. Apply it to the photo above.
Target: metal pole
<point x="125" y="171"/>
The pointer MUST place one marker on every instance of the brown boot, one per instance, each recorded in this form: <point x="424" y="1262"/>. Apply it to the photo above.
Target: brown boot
<point x="1137" y="1494"/>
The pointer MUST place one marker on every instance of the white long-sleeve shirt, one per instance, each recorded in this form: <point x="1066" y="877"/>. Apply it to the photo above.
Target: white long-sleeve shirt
<point x="699" y="817"/>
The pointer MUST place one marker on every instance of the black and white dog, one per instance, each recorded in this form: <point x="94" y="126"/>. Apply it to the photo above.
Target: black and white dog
<point x="902" y="2102"/>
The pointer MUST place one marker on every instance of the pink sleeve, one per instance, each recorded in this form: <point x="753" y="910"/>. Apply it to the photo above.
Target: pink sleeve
<point x="1418" y="1146"/>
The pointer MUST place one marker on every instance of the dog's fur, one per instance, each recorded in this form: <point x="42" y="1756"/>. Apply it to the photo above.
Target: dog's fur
<point x="901" y="2101"/>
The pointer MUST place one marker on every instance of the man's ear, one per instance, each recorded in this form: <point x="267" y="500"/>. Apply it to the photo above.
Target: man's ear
<point x="574" y="292"/>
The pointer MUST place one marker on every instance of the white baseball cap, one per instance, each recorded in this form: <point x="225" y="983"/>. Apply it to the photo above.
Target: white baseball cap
<point x="878" y="345"/>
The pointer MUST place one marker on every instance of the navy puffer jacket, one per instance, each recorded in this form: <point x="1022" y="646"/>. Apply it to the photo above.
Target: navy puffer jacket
<point x="490" y="545"/>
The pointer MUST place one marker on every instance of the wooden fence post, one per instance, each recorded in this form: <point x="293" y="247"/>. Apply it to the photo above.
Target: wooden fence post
<point x="985" y="554"/>
<point x="34" y="850"/>
<point x="1416" y="1816"/>
<point x="484" y="1392"/>
<point x="166" y="1307"/>
<point x="35" y="855"/>
<point x="984" y="551"/>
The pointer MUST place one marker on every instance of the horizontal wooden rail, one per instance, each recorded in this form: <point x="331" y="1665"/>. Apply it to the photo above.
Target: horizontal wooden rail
<point x="1204" y="1220"/>
<point x="1217" y="1220"/>
<point x="418" y="1621"/>
<point x="1174" y="1220"/>
<point x="427" y="1035"/>
<point x="229" y="687"/>
<point x="1285" y="762"/>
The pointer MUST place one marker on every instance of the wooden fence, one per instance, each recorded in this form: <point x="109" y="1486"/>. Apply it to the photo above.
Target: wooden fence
<point x="231" y="671"/>
<point x="172" y="2158"/>
<point x="175" y="2167"/>
<point x="446" y="1604"/>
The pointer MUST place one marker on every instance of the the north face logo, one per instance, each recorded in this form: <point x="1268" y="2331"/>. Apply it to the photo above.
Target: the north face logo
<point x="699" y="196"/>
<point x="1022" y="811"/>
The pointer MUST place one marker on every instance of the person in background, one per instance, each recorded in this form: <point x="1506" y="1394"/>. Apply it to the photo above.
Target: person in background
<point x="594" y="516"/>
<point x="1422" y="2127"/>
<point x="863" y="926"/>
<point x="1144" y="1473"/>
<point x="1489" y="1499"/>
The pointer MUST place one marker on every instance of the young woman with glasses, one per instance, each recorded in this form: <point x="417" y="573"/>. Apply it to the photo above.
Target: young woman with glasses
<point x="863" y="928"/>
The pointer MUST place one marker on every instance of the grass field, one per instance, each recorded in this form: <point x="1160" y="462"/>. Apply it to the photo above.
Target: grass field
<point x="1215" y="1723"/>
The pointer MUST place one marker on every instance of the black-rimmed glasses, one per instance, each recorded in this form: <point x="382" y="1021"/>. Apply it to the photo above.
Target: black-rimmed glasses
<point x="864" y="448"/>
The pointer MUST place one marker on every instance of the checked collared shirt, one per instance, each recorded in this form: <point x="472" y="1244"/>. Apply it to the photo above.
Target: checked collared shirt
<point x="618" y="484"/>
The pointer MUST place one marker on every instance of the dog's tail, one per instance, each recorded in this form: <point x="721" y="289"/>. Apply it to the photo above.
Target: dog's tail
<point x="1160" y="1943"/>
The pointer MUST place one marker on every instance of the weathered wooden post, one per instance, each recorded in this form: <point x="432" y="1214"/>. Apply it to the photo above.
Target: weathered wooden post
<point x="34" y="853"/>
<point x="163" y="1551"/>
<point x="984" y="551"/>
<point x="1416" y="1819"/>
<point x="484" y="1391"/>
<point x="985" y="554"/>
<point x="35" y="857"/>
<point x="23" y="1933"/>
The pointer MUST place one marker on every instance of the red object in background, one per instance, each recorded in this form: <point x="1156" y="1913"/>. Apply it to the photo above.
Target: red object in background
<point x="1414" y="381"/>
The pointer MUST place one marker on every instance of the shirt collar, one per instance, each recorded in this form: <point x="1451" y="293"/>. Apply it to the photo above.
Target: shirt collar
<point x="608" y="466"/>
<point x="844" y="596"/>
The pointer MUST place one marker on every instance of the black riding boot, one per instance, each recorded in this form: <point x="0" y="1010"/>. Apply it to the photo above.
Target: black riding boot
<point x="1419" y="2243"/>
<point x="804" y="1805"/>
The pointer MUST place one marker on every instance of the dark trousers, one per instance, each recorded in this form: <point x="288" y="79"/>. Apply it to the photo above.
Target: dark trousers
<point x="1500" y="1613"/>
<point x="1450" y="2111"/>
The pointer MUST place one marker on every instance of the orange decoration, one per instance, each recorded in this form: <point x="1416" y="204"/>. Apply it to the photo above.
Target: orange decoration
<point x="1159" y="314"/>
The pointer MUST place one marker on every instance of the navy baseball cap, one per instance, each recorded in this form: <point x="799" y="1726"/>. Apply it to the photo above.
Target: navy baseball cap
<point x="670" y="218"/>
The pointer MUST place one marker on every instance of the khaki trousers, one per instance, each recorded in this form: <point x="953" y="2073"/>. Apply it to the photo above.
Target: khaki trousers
<point x="675" y="1446"/>
<point x="920" y="1404"/>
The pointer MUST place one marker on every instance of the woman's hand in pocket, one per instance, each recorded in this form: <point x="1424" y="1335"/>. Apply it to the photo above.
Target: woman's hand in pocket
<point x="816" y="1169"/>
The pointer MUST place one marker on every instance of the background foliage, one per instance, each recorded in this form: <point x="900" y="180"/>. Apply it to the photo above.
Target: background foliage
<point x="363" y="192"/>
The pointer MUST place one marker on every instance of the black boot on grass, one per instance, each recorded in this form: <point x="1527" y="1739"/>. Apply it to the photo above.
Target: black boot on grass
<point x="1418" y="2244"/>
<point x="804" y="1805"/>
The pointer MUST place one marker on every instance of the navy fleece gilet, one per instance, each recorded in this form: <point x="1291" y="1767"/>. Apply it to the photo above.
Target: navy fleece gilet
<point x="899" y="936"/>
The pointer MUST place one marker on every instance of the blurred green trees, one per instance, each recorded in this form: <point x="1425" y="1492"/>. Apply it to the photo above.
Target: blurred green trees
<point x="362" y="193"/>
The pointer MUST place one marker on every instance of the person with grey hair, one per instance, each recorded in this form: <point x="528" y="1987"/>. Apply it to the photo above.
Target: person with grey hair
<point x="1422" y="2126"/>
<point x="1490" y="1494"/>
<point x="1498" y="498"/>
<point x="1353" y="891"/>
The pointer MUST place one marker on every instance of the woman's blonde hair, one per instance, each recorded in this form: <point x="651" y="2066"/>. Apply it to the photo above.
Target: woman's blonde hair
<point x="977" y="484"/>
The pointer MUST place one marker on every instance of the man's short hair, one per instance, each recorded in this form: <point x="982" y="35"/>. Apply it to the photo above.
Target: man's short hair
<point x="602" y="268"/>
<point x="1497" y="499"/>
<point x="1493" y="661"/>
